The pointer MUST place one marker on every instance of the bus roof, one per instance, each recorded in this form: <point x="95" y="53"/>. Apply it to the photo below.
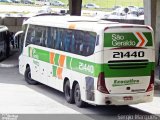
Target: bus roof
<point x="3" y="28"/>
<point x="76" y="22"/>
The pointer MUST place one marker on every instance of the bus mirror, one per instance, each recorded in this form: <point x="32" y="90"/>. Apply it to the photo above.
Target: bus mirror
<point x="17" y="34"/>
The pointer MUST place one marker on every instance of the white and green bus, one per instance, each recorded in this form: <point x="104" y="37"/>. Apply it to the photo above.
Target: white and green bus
<point x="91" y="61"/>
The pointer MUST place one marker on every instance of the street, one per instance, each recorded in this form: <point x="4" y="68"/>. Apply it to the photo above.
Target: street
<point x="17" y="97"/>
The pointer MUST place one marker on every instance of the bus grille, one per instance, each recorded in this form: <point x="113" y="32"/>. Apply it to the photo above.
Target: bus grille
<point x="127" y="64"/>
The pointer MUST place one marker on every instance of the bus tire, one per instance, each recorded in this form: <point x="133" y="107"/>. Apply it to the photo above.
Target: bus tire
<point x="28" y="78"/>
<point x="68" y="93"/>
<point x="77" y="97"/>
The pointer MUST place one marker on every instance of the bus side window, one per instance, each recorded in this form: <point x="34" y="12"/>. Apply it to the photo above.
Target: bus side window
<point x="30" y="35"/>
<point x="38" y="37"/>
<point x="80" y="40"/>
<point x="77" y="41"/>
<point x="58" y="39"/>
<point x="68" y="38"/>
<point x="53" y="37"/>
<point x="49" y="41"/>
<point x="73" y="42"/>
<point x="92" y="43"/>
<point x="61" y="41"/>
<point x="63" y="36"/>
<point x="44" y="37"/>
<point x="86" y="44"/>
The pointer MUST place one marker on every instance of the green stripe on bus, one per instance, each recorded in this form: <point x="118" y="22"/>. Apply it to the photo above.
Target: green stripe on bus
<point x="97" y="69"/>
<point x="68" y="61"/>
<point x="41" y="55"/>
<point x="148" y="36"/>
<point x="125" y="39"/>
<point x="120" y="40"/>
<point x="54" y="71"/>
<point x="56" y="59"/>
<point x="126" y="72"/>
<point x="82" y="66"/>
<point x="93" y="69"/>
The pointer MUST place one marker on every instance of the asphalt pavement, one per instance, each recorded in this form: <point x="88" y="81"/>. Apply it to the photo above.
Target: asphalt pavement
<point x="11" y="61"/>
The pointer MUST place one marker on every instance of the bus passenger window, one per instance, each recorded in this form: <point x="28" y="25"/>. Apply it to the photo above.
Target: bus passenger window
<point x="73" y="42"/>
<point x="81" y="39"/>
<point x="53" y="37"/>
<point x="44" y="37"/>
<point x="63" y="39"/>
<point x="86" y="42"/>
<point x="68" y="38"/>
<point x="58" y="39"/>
<point x="92" y="43"/>
<point x="61" y="47"/>
<point x="49" y="41"/>
<point x="30" y="35"/>
<point x="38" y="39"/>
<point x="78" y="42"/>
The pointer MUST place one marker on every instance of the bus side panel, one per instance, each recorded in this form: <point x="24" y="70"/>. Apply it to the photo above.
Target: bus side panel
<point x="25" y="60"/>
<point x="80" y="70"/>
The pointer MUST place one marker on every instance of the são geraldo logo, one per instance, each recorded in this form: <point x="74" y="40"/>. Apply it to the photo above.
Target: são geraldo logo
<point x="34" y="54"/>
<point x="120" y="41"/>
<point x="127" y="40"/>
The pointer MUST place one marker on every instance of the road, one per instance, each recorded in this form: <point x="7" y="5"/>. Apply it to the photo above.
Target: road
<point x="17" y="97"/>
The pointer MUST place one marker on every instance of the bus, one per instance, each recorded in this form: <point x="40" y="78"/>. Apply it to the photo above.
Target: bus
<point x="90" y="60"/>
<point x="4" y="42"/>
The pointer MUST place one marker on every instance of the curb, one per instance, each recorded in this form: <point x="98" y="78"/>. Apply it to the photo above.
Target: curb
<point x="8" y="65"/>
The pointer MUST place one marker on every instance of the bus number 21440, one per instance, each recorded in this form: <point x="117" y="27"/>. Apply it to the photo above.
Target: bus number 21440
<point x="128" y="54"/>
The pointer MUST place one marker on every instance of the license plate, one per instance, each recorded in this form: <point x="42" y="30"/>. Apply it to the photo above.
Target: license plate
<point x="126" y="98"/>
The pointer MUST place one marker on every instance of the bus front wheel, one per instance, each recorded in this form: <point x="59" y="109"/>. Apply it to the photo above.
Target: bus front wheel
<point x="77" y="97"/>
<point x="28" y="78"/>
<point x="68" y="92"/>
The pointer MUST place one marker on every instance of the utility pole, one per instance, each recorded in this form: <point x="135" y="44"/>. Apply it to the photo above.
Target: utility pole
<point x="150" y="15"/>
<point x="75" y="7"/>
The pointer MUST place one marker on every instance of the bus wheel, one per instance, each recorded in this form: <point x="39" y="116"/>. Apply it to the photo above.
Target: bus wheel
<point x="28" y="78"/>
<point x="68" y="92"/>
<point x="77" y="97"/>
